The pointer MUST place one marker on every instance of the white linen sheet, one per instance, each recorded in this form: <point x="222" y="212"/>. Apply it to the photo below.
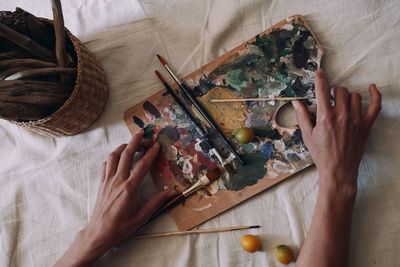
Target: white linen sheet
<point x="48" y="185"/>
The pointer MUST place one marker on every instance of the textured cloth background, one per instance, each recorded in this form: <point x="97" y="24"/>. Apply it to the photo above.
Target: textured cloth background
<point x="48" y="185"/>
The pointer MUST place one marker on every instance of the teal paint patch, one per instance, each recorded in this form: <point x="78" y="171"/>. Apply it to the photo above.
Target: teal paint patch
<point x="248" y="174"/>
<point x="148" y="131"/>
<point x="235" y="80"/>
<point x="248" y="148"/>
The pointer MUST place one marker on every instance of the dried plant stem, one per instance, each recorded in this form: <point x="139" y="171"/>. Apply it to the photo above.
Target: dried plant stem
<point x="10" y="71"/>
<point x="25" y="62"/>
<point x="33" y="92"/>
<point x="14" y="55"/>
<point x="30" y="73"/>
<point x="23" y="111"/>
<point x="58" y="18"/>
<point x="26" y="43"/>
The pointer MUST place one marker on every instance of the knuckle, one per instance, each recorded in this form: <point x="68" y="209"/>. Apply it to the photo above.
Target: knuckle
<point x="125" y="155"/>
<point x="378" y="107"/>
<point x="327" y="118"/>
<point x="142" y="164"/>
<point x="126" y="188"/>
<point x="343" y="117"/>
<point x="112" y="156"/>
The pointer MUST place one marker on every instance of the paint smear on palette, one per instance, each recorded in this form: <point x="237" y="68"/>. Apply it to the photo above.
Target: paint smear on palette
<point x="183" y="155"/>
<point x="279" y="63"/>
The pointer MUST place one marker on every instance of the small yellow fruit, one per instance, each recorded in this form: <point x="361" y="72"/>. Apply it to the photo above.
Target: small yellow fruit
<point x="284" y="254"/>
<point x="244" y="135"/>
<point x="250" y="243"/>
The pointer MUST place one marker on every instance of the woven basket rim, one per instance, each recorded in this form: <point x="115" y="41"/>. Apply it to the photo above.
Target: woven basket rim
<point x="74" y="92"/>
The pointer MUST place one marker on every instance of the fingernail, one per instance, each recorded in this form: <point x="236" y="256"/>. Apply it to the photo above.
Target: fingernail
<point x="140" y="131"/>
<point x="295" y="104"/>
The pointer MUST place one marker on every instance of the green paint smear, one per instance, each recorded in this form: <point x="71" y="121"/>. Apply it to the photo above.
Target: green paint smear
<point x="248" y="174"/>
<point x="253" y="71"/>
<point x="235" y="80"/>
<point x="148" y="131"/>
<point x="248" y="148"/>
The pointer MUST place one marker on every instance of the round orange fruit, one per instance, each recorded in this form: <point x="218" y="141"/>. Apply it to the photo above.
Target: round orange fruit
<point x="284" y="254"/>
<point x="250" y="243"/>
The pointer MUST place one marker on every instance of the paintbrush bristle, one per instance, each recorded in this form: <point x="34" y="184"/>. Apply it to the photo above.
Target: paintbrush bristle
<point x="213" y="174"/>
<point x="161" y="60"/>
<point x="159" y="76"/>
<point x="254" y="226"/>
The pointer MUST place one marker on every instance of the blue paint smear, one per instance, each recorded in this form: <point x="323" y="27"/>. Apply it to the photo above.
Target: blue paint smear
<point x="268" y="148"/>
<point x="138" y="121"/>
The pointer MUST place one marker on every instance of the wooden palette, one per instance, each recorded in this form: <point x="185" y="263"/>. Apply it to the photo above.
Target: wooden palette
<point x="275" y="154"/>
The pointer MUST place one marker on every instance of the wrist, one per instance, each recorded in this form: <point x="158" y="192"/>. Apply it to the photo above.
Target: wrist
<point x="344" y="189"/>
<point x="92" y="247"/>
<point x="84" y="251"/>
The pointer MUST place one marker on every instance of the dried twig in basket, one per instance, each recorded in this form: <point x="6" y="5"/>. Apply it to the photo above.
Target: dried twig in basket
<point x="26" y="43"/>
<point x="30" y="73"/>
<point x="24" y="112"/>
<point x="32" y="92"/>
<point x="26" y="63"/>
<point x="11" y="71"/>
<point x="61" y="52"/>
<point x="14" y="55"/>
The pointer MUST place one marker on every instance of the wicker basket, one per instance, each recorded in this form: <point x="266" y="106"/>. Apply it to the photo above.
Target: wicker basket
<point x="85" y="103"/>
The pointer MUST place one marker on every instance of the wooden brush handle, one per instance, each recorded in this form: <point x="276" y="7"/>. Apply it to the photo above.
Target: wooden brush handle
<point x="169" y="204"/>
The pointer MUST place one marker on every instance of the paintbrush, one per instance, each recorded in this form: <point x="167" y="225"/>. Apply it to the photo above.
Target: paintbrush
<point x="204" y="180"/>
<point x="200" y="231"/>
<point x="224" y="100"/>
<point x="202" y="111"/>
<point x="198" y="128"/>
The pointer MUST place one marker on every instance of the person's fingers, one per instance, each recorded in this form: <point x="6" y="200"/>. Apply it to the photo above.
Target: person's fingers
<point x="153" y="205"/>
<point x="374" y="108"/>
<point x="341" y="99"/>
<point x="126" y="159"/>
<point x="141" y="168"/>
<point x="146" y="144"/>
<point x="321" y="93"/>
<point x="355" y="106"/>
<point x="112" y="161"/>
<point x="303" y="118"/>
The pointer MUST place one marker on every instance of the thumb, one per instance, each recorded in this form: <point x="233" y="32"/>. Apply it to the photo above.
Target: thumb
<point x="154" y="204"/>
<point x="303" y="118"/>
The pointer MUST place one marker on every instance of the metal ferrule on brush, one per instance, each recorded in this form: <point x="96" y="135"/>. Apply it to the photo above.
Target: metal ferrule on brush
<point x="203" y="181"/>
<point x="173" y="75"/>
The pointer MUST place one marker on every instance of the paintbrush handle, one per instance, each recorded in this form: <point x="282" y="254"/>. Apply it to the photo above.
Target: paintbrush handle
<point x="210" y="121"/>
<point x="202" y="111"/>
<point x="224" y="100"/>
<point x="169" y="204"/>
<point x="189" y="115"/>
<point x="215" y="230"/>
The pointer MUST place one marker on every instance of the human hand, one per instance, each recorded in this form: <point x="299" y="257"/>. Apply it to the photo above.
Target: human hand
<point x="116" y="212"/>
<point x="337" y="141"/>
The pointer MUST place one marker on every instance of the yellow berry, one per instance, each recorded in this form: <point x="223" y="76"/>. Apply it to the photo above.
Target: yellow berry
<point x="250" y="243"/>
<point x="284" y="254"/>
<point x="244" y="135"/>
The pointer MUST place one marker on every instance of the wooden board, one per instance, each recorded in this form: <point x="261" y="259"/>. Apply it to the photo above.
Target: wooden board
<point x="280" y="61"/>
